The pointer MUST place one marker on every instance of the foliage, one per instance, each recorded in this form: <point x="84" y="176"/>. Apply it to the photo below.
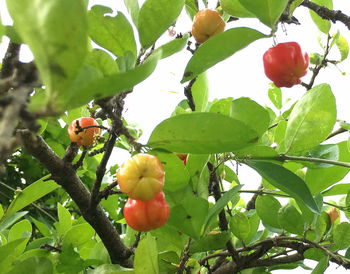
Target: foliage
<point x="61" y="210"/>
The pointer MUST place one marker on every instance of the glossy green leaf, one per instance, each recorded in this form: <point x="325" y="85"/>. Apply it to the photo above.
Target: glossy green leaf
<point x="286" y="181"/>
<point x="191" y="7"/>
<point x="200" y="92"/>
<point x="7" y="221"/>
<point x="341" y="235"/>
<point x="38" y="242"/>
<point x="1" y="212"/>
<point x="20" y="230"/>
<point x="189" y="216"/>
<point x="219" y="205"/>
<point x="256" y="152"/>
<point x="173" y="46"/>
<point x="198" y="133"/>
<point x="31" y="193"/>
<point x="251" y="114"/>
<point x="338" y="189"/>
<point x="133" y="9"/>
<point x="59" y="49"/>
<point x="267" y="11"/>
<point x="254" y="223"/>
<point x="240" y="226"/>
<point x="235" y="8"/>
<point x="64" y="218"/>
<point x="214" y="240"/>
<point x="321" y="178"/>
<point x="10" y="248"/>
<point x="311" y="120"/>
<point x="155" y="17"/>
<point x="112" y="269"/>
<point x="176" y="174"/>
<point x="41" y="266"/>
<point x="328" y="152"/>
<point x="111" y="205"/>
<point x="69" y="261"/>
<point x="111" y="32"/>
<point x="218" y="48"/>
<point x="343" y="47"/>
<point x="222" y="106"/>
<point x="77" y="235"/>
<point x="102" y="61"/>
<point x="322" y="24"/>
<point x="146" y="256"/>
<point x="275" y="96"/>
<point x="268" y="208"/>
<point x="291" y="220"/>
<point x="88" y="87"/>
<point x="321" y="266"/>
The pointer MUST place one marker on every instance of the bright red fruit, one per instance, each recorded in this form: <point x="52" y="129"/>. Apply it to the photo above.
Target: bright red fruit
<point x="146" y="215"/>
<point x="285" y="64"/>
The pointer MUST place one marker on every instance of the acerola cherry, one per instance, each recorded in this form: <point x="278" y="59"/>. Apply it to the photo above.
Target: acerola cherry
<point x="285" y="64"/>
<point x="86" y="137"/>
<point x="207" y="23"/>
<point x="333" y="214"/>
<point x="146" y="215"/>
<point x="141" y="177"/>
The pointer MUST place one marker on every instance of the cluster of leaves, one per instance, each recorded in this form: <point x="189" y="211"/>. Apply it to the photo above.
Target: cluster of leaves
<point x="209" y="219"/>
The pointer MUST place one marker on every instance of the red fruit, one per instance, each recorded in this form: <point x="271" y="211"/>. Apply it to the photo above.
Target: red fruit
<point x="87" y="137"/>
<point x="146" y="215"/>
<point x="285" y="64"/>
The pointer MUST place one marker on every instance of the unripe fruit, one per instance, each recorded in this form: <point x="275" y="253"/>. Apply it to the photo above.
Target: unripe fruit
<point x="207" y="23"/>
<point x="285" y="64"/>
<point x="86" y="137"/>
<point x="146" y="215"/>
<point x="141" y="177"/>
<point x="333" y="214"/>
<point x="183" y="157"/>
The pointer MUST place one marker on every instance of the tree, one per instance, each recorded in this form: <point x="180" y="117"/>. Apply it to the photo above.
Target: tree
<point x="61" y="208"/>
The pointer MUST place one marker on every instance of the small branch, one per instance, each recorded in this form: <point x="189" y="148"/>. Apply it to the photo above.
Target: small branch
<point x="284" y="157"/>
<point x="71" y="152"/>
<point x="80" y="162"/>
<point x="188" y="94"/>
<point x="108" y="190"/>
<point x="10" y="60"/>
<point x="51" y="248"/>
<point x="184" y="257"/>
<point x="136" y="242"/>
<point x="336" y="132"/>
<point x="325" y="13"/>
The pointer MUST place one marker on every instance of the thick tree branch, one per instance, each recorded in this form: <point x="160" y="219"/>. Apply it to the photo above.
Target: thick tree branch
<point x="65" y="175"/>
<point x="325" y="13"/>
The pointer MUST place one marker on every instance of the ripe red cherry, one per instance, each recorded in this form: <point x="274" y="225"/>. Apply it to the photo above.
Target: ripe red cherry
<point x="87" y="137"/>
<point x="285" y="64"/>
<point x="146" y="215"/>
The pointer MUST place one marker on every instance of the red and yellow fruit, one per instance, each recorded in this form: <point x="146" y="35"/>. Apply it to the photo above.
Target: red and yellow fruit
<point x="86" y="137"/>
<point x="206" y="24"/>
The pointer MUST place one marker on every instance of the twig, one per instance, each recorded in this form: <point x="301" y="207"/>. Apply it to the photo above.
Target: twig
<point x="108" y="190"/>
<point x="284" y="157"/>
<point x="188" y="94"/>
<point x="80" y="162"/>
<point x="184" y="257"/>
<point x="51" y="248"/>
<point x="336" y="132"/>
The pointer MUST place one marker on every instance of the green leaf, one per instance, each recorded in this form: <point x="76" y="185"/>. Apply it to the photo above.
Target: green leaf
<point x="338" y="189"/>
<point x="275" y="96"/>
<point x="322" y="24"/>
<point x="222" y="106"/>
<point x="31" y="193"/>
<point x="329" y="152"/>
<point x="111" y="269"/>
<point x="176" y="174"/>
<point x="189" y="216"/>
<point x="2" y="29"/>
<point x="69" y="261"/>
<point x="318" y="179"/>
<point x="343" y="47"/>
<point x="59" y="49"/>
<point x="78" y="235"/>
<point x="146" y="256"/>
<point x="254" y="223"/>
<point x="219" y="205"/>
<point x="10" y="248"/>
<point x="214" y="240"/>
<point x="268" y="208"/>
<point x="291" y="220"/>
<point x="200" y="92"/>
<point x="321" y="266"/>
<point x="341" y="235"/>
<point x="197" y="133"/>
<point x="40" y="265"/>
<point x="240" y="226"/>
<point x="267" y="11"/>
<point x="311" y="120"/>
<point x="87" y="87"/>
<point x="251" y="114"/>
<point x="191" y="7"/>
<point x="155" y="17"/>
<point x="11" y="219"/>
<point x="218" y="48"/>
<point x="256" y="152"/>
<point x="235" y="8"/>
<point x="65" y="220"/>
<point x="102" y="61"/>
<point x="133" y="9"/>
<point x="22" y="229"/>
<point x="286" y="181"/>
<point x="112" y="33"/>
<point x="1" y="212"/>
<point x="173" y="46"/>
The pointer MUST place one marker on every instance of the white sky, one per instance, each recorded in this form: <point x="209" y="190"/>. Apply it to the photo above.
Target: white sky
<point x="240" y="75"/>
